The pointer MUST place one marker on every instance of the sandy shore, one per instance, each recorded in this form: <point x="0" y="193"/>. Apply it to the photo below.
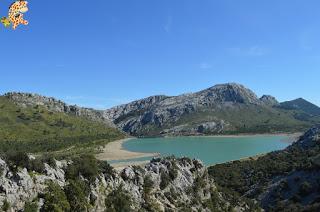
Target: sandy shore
<point x="114" y="151"/>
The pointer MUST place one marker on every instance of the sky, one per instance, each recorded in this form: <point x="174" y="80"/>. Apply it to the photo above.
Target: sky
<point x="102" y="53"/>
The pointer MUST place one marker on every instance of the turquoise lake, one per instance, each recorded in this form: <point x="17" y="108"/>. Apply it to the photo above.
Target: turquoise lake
<point x="211" y="150"/>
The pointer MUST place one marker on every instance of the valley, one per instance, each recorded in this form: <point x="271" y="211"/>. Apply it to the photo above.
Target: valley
<point x="56" y="157"/>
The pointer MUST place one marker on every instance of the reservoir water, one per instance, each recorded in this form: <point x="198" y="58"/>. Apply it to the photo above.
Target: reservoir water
<point x="211" y="150"/>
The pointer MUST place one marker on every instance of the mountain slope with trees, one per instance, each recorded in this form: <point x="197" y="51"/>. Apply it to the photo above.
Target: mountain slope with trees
<point x="37" y="128"/>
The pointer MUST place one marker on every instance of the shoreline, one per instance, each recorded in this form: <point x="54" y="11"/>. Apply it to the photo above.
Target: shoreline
<point x="114" y="151"/>
<point x="292" y="135"/>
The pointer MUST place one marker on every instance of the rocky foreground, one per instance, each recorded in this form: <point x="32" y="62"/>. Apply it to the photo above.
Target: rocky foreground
<point x="286" y="180"/>
<point x="162" y="185"/>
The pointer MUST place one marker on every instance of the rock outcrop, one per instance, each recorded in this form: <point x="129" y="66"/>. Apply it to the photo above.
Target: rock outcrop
<point x="54" y="105"/>
<point x="269" y="100"/>
<point x="166" y="184"/>
<point x="23" y="186"/>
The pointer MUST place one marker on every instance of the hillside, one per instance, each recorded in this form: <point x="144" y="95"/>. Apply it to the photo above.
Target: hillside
<point x="302" y="105"/>
<point x="39" y="128"/>
<point x="287" y="180"/>
<point x="222" y="109"/>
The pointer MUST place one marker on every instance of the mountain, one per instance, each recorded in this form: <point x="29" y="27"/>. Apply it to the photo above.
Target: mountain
<point x="54" y="105"/>
<point x="302" y="105"/>
<point x="34" y="123"/>
<point x="286" y="180"/>
<point x="222" y="109"/>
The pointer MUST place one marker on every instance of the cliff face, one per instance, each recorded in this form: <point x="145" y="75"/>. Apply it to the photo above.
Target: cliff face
<point x="162" y="185"/>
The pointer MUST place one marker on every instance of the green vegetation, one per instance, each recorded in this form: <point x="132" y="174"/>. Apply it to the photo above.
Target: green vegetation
<point x="251" y="119"/>
<point x="75" y="196"/>
<point x="165" y="180"/>
<point x="302" y="105"/>
<point x="31" y="207"/>
<point x="118" y="200"/>
<point x="106" y="169"/>
<point x="85" y="165"/>
<point x="55" y="199"/>
<point x="17" y="159"/>
<point x="37" y="130"/>
<point x="6" y="206"/>
<point x="293" y="169"/>
<point x="148" y="185"/>
<point x="77" y="192"/>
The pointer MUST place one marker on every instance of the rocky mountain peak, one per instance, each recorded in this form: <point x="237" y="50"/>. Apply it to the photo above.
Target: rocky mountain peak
<point x="231" y="92"/>
<point x="269" y="100"/>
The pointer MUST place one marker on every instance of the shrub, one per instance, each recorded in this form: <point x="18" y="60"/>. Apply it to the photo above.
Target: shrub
<point x="148" y="184"/>
<point x="305" y="189"/>
<point x="199" y="183"/>
<point x="173" y="172"/>
<point x="86" y="166"/>
<point x="118" y="200"/>
<point x="31" y="207"/>
<point x="165" y="180"/>
<point x="50" y="160"/>
<point x="5" y="206"/>
<point x="107" y="169"/>
<point x="55" y="199"/>
<point x="77" y="192"/>
<point x="36" y="165"/>
<point x="16" y="159"/>
<point x="1" y="171"/>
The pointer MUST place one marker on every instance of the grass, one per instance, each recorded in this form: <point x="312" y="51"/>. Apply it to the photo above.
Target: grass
<point x="37" y="130"/>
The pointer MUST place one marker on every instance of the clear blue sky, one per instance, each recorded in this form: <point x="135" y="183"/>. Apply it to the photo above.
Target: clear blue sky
<point x="101" y="53"/>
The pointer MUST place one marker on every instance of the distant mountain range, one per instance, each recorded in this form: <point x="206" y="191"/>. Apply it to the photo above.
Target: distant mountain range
<point x="303" y="105"/>
<point x="222" y="109"/>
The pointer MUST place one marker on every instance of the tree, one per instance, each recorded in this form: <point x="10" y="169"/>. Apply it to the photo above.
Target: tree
<point x="55" y="199"/>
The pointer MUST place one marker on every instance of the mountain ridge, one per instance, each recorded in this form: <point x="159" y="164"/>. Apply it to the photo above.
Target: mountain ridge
<point x="229" y="108"/>
<point x="301" y="104"/>
<point x="223" y="108"/>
